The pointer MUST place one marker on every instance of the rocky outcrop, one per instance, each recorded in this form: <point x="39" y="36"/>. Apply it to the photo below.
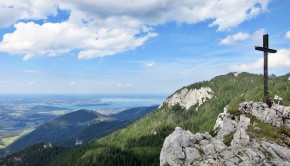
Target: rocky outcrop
<point x="189" y="97"/>
<point x="225" y="124"/>
<point x="184" y="148"/>
<point x="236" y="74"/>
<point x="278" y="99"/>
<point x="277" y="115"/>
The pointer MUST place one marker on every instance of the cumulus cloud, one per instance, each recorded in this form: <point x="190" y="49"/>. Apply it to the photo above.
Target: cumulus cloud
<point x="52" y="39"/>
<point x="13" y="10"/>
<point x="232" y="39"/>
<point x="107" y="27"/>
<point x="287" y="35"/>
<point x="240" y="36"/>
<point x="226" y="14"/>
<point x="279" y="59"/>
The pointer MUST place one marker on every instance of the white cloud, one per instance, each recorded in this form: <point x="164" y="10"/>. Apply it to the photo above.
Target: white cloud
<point x="144" y="63"/>
<point x="125" y="85"/>
<point x="232" y="39"/>
<point x="30" y="71"/>
<point x="107" y="27"/>
<point x="150" y="64"/>
<point x="72" y="83"/>
<point x="31" y="83"/>
<point x="13" y="10"/>
<point x="257" y="37"/>
<point x="52" y="39"/>
<point x="287" y="35"/>
<point x="226" y="14"/>
<point x="277" y="60"/>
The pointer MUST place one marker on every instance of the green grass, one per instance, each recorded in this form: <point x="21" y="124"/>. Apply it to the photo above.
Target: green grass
<point x="279" y="135"/>
<point x="228" y="138"/>
<point x="9" y="140"/>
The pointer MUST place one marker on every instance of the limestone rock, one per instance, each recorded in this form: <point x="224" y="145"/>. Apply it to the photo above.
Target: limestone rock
<point x="175" y="147"/>
<point x="184" y="148"/>
<point x="225" y="124"/>
<point x="236" y="74"/>
<point x="241" y="138"/>
<point x="277" y="115"/>
<point x="189" y="97"/>
<point x="278" y="99"/>
<point x="286" y="112"/>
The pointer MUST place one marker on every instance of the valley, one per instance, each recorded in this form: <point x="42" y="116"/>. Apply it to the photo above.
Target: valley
<point x="21" y="114"/>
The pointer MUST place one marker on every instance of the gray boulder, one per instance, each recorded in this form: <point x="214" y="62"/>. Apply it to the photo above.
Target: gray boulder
<point x="175" y="147"/>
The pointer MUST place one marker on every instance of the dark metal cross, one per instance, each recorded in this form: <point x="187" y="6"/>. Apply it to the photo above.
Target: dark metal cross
<point x="266" y="49"/>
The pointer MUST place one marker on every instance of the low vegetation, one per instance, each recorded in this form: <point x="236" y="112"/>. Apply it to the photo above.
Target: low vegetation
<point x="228" y="138"/>
<point x="264" y="131"/>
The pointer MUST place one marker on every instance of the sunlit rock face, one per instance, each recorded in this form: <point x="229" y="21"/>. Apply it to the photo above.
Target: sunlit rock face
<point x="189" y="97"/>
<point x="225" y="124"/>
<point x="182" y="148"/>
<point x="236" y="74"/>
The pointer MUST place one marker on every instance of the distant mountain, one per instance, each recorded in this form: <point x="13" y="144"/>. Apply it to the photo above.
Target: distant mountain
<point x="82" y="126"/>
<point x="194" y="107"/>
<point x="133" y="113"/>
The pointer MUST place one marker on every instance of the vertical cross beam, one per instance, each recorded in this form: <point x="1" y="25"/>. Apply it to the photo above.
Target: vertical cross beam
<point x="266" y="91"/>
<point x="266" y="49"/>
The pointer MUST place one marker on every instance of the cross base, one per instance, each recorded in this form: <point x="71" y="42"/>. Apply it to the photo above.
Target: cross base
<point x="267" y="100"/>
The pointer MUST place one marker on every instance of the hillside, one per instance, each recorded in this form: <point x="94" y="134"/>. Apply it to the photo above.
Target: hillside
<point x="194" y="108"/>
<point x="145" y="137"/>
<point x="38" y="154"/>
<point x="82" y="125"/>
<point x="133" y="113"/>
<point x="59" y="129"/>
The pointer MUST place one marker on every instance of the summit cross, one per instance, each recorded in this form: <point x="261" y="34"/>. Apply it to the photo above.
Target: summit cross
<point x="266" y="50"/>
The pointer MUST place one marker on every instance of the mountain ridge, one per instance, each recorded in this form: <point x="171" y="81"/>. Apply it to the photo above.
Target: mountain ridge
<point x="148" y="133"/>
<point x="144" y="137"/>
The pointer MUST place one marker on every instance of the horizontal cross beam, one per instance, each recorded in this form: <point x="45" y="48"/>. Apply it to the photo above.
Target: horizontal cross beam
<point x="265" y="49"/>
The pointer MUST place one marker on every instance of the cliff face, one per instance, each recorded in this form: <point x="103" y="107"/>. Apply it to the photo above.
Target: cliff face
<point x="258" y="136"/>
<point x="189" y="97"/>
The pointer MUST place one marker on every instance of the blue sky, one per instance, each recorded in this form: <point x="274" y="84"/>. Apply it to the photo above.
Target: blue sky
<point x="126" y="46"/>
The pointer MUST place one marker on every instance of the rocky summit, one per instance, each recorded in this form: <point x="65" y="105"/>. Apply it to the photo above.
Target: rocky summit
<point x="237" y="140"/>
